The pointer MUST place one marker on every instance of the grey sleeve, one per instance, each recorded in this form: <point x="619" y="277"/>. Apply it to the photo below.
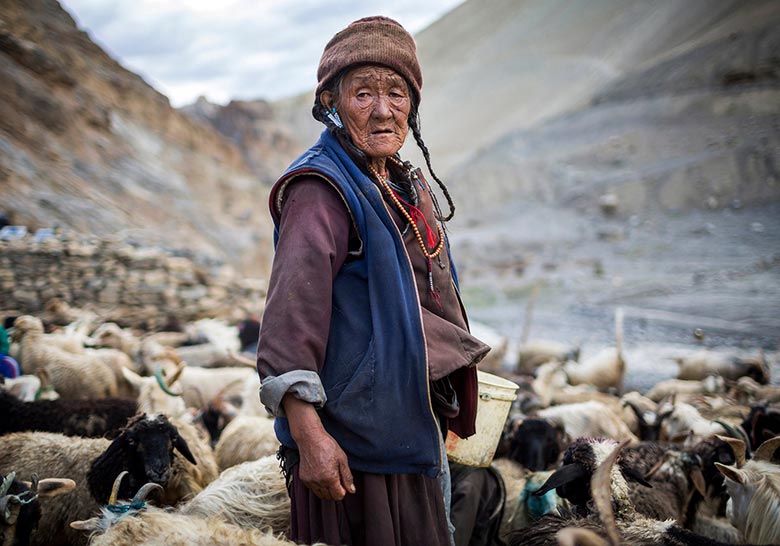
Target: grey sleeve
<point x="303" y="384"/>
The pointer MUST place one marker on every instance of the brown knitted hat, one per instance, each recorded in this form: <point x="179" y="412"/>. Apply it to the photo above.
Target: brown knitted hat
<point x="371" y="40"/>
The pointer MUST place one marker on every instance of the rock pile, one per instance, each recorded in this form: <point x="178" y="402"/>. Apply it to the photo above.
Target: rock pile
<point x="130" y="285"/>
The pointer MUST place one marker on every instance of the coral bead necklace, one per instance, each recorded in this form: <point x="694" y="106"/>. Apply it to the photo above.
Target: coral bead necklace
<point x="412" y="216"/>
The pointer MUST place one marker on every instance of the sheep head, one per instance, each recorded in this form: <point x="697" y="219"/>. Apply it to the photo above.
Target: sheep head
<point x="580" y="462"/>
<point x="26" y="324"/>
<point x="145" y="449"/>
<point x="535" y="443"/>
<point x="108" y="334"/>
<point x="753" y="494"/>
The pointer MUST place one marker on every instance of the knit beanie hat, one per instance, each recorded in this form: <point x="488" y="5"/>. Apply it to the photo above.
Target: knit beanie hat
<point x="371" y="40"/>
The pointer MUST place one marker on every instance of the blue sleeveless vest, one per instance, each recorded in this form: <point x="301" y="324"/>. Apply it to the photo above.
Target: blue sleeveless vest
<point x="375" y="372"/>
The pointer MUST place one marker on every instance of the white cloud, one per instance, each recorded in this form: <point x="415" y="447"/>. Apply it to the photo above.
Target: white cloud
<point x="232" y="48"/>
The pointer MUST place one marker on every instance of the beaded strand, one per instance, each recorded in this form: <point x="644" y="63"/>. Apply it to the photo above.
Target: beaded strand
<point x="430" y="255"/>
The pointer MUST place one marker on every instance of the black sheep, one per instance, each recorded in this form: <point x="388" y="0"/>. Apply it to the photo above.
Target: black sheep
<point x="102" y="417"/>
<point x="762" y="423"/>
<point x="535" y="443"/>
<point x="144" y="448"/>
<point x="611" y="516"/>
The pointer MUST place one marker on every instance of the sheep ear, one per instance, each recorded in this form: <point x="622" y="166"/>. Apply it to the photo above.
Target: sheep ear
<point x="566" y="474"/>
<point x="698" y="481"/>
<point x="51" y="487"/>
<point x="731" y="473"/>
<point x="636" y="476"/>
<point x="90" y="524"/>
<point x="182" y="447"/>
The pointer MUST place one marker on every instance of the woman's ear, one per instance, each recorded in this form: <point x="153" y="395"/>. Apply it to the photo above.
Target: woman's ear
<point x="326" y="99"/>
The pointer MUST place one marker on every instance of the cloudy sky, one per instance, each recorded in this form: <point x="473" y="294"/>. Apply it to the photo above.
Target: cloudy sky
<point x="243" y="49"/>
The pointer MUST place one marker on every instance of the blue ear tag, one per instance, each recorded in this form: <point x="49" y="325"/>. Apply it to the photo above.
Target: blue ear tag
<point x="333" y="115"/>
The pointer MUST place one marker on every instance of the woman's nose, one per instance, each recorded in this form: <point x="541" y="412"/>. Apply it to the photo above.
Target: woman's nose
<point x="382" y="107"/>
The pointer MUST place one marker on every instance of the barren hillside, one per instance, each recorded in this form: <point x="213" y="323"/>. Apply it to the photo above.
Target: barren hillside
<point x="88" y="145"/>
<point x="540" y="113"/>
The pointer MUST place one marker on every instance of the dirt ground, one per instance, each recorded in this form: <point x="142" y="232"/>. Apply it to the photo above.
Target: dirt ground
<point x="714" y="270"/>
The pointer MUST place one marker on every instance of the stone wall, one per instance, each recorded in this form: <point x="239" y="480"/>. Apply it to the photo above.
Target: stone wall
<point x="120" y="282"/>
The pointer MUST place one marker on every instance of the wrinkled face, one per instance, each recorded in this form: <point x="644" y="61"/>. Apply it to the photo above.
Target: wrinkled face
<point x="374" y="105"/>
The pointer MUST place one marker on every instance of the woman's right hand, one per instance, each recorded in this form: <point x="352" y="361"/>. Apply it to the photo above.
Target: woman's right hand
<point x="323" y="468"/>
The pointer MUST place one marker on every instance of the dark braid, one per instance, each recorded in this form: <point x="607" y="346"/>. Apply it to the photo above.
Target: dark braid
<point x="414" y="125"/>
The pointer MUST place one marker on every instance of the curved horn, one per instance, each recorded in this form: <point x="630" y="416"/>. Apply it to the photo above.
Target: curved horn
<point x="601" y="492"/>
<point x="158" y="375"/>
<point x="223" y="390"/>
<point x="242" y="360"/>
<point x="737" y="446"/>
<point x="6" y="513"/>
<point x="735" y="431"/>
<point x="7" y="481"/>
<point x="177" y="374"/>
<point x="637" y="411"/>
<point x="655" y="468"/>
<point x="767" y="449"/>
<point x="146" y="490"/>
<point x="34" y="483"/>
<point x="115" y="488"/>
<point x="577" y="536"/>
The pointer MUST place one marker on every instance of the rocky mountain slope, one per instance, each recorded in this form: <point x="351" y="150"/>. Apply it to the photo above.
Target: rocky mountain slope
<point x="89" y="146"/>
<point x="686" y="117"/>
<point x="541" y="114"/>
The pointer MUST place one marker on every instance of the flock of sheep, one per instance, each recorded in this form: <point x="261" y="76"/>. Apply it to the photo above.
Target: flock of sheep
<point x="102" y="412"/>
<point x="117" y="437"/>
<point x="695" y="460"/>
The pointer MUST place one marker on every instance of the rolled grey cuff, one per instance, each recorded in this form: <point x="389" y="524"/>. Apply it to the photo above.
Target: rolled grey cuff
<point x="303" y="384"/>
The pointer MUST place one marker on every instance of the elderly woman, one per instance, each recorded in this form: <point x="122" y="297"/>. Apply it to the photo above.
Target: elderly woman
<point x="364" y="353"/>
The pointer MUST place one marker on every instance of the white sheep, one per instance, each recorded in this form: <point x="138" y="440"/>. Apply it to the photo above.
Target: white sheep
<point x="73" y="376"/>
<point x="604" y="370"/>
<point x="712" y="384"/>
<point x="31" y="387"/>
<point x="157" y="394"/>
<point x="144" y="352"/>
<point x="590" y="419"/>
<point x="533" y="354"/>
<point x="246" y="438"/>
<point x="199" y="384"/>
<point x="684" y="422"/>
<point x="754" y="491"/>
<point x="700" y="364"/>
<point x="116" y="361"/>
<point x="251" y="495"/>
<point x="154" y="526"/>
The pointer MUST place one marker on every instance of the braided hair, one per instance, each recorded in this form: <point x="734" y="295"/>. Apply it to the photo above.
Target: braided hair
<point x="320" y="113"/>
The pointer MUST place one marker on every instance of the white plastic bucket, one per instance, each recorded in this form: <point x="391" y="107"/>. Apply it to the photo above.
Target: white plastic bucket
<point x="496" y="395"/>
